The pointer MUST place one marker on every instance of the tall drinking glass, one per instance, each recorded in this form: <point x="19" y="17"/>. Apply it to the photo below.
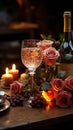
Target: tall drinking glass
<point x="31" y="56"/>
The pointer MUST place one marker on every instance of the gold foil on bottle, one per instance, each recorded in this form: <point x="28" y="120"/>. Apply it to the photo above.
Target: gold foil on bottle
<point x="67" y="21"/>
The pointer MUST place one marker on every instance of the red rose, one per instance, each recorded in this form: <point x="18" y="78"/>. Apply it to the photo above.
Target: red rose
<point x="44" y="44"/>
<point x="16" y="88"/>
<point x="50" y="56"/>
<point x="63" y="99"/>
<point x="69" y="83"/>
<point x="57" y="84"/>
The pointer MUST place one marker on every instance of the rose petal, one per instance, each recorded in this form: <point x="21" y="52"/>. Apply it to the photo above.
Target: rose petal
<point x="57" y="84"/>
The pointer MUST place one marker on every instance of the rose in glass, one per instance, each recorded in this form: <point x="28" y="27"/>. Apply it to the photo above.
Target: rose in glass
<point x="44" y="44"/>
<point x="50" y="56"/>
<point x="57" y="84"/>
<point x="16" y="88"/>
<point x="69" y="83"/>
<point x="64" y="99"/>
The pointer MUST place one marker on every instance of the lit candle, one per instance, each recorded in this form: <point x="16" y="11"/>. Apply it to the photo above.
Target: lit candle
<point x="7" y="78"/>
<point x="22" y="76"/>
<point x="14" y="72"/>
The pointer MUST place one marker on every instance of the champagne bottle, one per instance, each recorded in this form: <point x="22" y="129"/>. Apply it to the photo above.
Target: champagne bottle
<point x="66" y="48"/>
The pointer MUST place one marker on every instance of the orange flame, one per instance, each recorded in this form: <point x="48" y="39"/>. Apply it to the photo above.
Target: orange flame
<point x="49" y="96"/>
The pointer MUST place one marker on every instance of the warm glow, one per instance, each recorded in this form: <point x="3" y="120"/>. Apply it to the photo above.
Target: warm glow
<point x="20" y="2"/>
<point x="7" y="78"/>
<point x="47" y="107"/>
<point x="13" y="67"/>
<point x="55" y="88"/>
<point x="14" y="72"/>
<point x="49" y="95"/>
<point x="7" y="70"/>
<point x="47" y="98"/>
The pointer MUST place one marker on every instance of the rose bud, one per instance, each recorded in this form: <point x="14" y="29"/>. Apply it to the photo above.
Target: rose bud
<point x="44" y="44"/>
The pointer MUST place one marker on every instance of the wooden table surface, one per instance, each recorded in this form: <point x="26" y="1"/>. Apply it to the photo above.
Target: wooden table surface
<point x="25" y="118"/>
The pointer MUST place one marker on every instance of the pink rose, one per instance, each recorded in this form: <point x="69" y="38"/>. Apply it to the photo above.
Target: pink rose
<point x="69" y="83"/>
<point x="44" y="44"/>
<point x="16" y="88"/>
<point x="64" y="99"/>
<point x="50" y="56"/>
<point x="57" y="84"/>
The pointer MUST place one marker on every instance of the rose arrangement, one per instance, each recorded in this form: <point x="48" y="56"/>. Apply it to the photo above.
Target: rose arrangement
<point x="60" y="92"/>
<point x="64" y="91"/>
<point x="56" y="89"/>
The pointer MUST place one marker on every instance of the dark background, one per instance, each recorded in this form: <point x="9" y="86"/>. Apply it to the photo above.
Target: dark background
<point x="47" y="14"/>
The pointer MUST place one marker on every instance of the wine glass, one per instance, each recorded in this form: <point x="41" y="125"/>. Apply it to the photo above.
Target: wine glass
<point x="31" y="56"/>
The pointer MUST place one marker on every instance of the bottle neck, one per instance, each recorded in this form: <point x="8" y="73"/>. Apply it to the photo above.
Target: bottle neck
<point x="67" y="26"/>
<point x="67" y="36"/>
<point x="67" y="22"/>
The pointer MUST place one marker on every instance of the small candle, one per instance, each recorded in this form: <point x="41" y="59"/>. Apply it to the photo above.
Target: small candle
<point x="7" y="78"/>
<point x="14" y="72"/>
<point x="22" y="76"/>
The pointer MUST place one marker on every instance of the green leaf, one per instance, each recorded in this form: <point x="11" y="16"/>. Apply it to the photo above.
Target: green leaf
<point x="46" y="86"/>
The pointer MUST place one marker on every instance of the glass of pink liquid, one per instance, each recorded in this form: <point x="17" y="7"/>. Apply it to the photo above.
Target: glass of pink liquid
<point x="31" y="55"/>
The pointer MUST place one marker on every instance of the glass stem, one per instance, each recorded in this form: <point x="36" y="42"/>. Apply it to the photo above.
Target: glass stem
<point x="32" y="82"/>
<point x="34" y="87"/>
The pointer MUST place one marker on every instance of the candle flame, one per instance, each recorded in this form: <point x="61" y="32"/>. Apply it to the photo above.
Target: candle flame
<point x="47" y="98"/>
<point x="13" y="67"/>
<point x="7" y="70"/>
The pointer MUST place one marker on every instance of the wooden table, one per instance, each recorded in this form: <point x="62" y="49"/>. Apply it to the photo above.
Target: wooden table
<point x="25" y="118"/>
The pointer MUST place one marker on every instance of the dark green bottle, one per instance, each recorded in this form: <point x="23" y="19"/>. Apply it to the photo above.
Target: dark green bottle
<point x="66" y="48"/>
